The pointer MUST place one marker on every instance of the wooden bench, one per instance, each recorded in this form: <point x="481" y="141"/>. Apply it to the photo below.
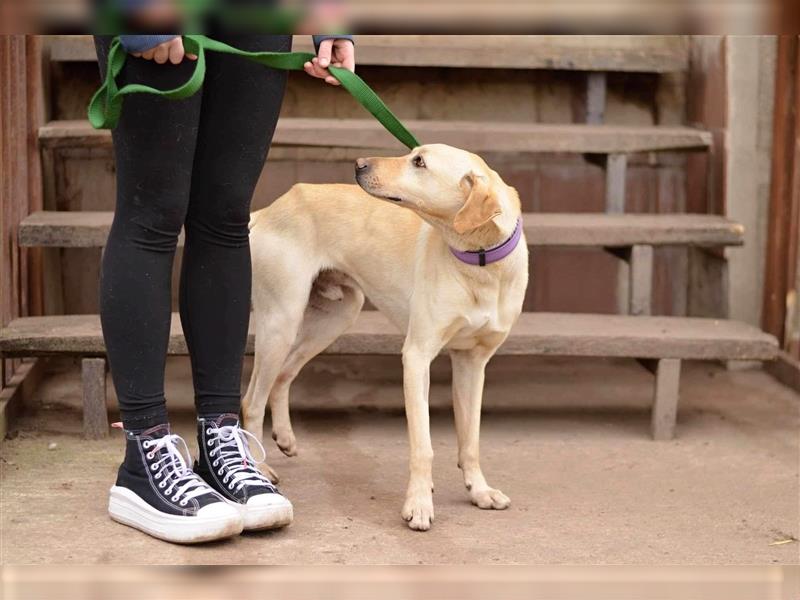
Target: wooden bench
<point x="630" y="237"/>
<point x="659" y="343"/>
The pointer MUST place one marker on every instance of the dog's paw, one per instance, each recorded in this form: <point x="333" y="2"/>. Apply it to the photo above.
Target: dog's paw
<point x="419" y="513"/>
<point x="286" y="442"/>
<point x="269" y="472"/>
<point x="489" y="498"/>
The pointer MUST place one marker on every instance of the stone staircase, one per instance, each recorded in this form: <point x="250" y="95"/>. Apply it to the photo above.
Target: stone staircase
<point x="660" y="343"/>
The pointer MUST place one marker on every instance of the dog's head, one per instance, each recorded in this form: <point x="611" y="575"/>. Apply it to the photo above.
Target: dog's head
<point x="444" y="185"/>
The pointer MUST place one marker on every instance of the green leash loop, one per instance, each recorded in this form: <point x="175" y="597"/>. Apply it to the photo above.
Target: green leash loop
<point x="105" y="106"/>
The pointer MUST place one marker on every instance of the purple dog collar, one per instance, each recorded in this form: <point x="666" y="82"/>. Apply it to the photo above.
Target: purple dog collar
<point x="482" y="257"/>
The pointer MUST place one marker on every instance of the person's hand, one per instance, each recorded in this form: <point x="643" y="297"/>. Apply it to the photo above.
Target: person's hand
<point x="337" y="52"/>
<point x="171" y="51"/>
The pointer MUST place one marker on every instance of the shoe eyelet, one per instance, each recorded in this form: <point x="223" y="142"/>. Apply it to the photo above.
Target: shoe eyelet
<point x="153" y="467"/>
<point x="175" y="498"/>
<point x="224" y="479"/>
<point x="215" y="463"/>
<point x="150" y="455"/>
<point x="230" y="486"/>
<point x="146" y="444"/>
<point x="208" y="431"/>
<point x="210" y="442"/>
<point x="162" y="485"/>
<point x="182" y="502"/>
<point x="158" y="476"/>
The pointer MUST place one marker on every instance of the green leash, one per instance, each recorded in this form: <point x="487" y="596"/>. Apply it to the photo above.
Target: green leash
<point x="106" y="104"/>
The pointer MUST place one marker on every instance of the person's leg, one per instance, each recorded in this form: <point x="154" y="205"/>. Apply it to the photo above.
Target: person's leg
<point x="154" y="144"/>
<point x="241" y="102"/>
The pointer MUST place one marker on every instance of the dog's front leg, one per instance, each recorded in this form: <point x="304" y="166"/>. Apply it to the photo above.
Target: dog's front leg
<point x="418" y="507"/>
<point x="469" y="367"/>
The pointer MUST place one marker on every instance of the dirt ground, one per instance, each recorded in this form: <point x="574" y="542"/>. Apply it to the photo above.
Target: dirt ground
<point x="568" y="441"/>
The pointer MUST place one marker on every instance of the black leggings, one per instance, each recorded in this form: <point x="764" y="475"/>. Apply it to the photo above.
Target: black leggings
<point x="191" y="163"/>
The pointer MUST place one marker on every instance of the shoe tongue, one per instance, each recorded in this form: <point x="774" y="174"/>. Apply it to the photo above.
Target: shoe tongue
<point x="227" y="419"/>
<point x="157" y="431"/>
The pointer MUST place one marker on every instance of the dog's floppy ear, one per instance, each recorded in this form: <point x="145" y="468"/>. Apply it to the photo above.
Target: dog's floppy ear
<point x="481" y="205"/>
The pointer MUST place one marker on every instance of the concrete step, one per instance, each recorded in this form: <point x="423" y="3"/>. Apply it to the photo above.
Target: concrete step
<point x="557" y="334"/>
<point x="652" y="54"/>
<point x="89" y="229"/>
<point x="473" y="136"/>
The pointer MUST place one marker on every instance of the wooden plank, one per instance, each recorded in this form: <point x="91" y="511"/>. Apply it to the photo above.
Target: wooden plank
<point x="19" y="393"/>
<point x="786" y="369"/>
<point x="595" y="98"/>
<point x="708" y="283"/>
<point x="655" y="54"/>
<point x="555" y="334"/>
<point x="616" y="169"/>
<point x="95" y="414"/>
<point x="14" y="181"/>
<point x="616" y="178"/>
<point x="641" y="280"/>
<point x="35" y="119"/>
<point x="470" y="135"/>
<point x="89" y="229"/>
<point x="783" y="245"/>
<point x="665" y="399"/>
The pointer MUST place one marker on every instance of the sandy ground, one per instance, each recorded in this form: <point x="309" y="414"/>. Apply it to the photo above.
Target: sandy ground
<point x="568" y="441"/>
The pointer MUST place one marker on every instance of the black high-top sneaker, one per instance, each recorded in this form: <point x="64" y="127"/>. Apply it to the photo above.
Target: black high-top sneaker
<point x="227" y="465"/>
<point x="157" y="492"/>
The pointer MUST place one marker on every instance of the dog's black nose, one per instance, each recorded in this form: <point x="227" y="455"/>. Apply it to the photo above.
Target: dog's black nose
<point x="361" y="164"/>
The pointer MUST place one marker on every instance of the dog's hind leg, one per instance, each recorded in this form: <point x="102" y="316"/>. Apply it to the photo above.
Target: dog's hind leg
<point x="275" y="331"/>
<point x="468" y="379"/>
<point x="334" y="305"/>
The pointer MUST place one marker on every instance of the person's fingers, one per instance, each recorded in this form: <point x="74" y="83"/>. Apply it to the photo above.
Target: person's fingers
<point x="176" y="51"/>
<point x="136" y="54"/>
<point x="332" y="80"/>
<point x="346" y="54"/>
<point x="317" y="70"/>
<point x="148" y="54"/>
<point x="320" y="70"/>
<point x="162" y="53"/>
<point x="324" y="53"/>
<point x="191" y="56"/>
<point x="309" y="68"/>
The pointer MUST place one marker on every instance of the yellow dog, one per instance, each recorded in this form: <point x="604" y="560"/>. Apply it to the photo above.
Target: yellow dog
<point x="443" y="257"/>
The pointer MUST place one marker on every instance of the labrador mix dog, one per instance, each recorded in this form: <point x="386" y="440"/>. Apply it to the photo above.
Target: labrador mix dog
<point x="442" y="256"/>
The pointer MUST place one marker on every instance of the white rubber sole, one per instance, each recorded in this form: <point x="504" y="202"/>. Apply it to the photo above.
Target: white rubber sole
<point x="278" y="513"/>
<point x="212" y="522"/>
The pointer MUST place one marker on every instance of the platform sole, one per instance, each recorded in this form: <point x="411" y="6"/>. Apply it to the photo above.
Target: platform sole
<point x="261" y="518"/>
<point x="126" y="507"/>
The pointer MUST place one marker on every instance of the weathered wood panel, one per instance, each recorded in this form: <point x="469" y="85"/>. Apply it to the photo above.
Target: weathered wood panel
<point x="95" y="414"/>
<point x="781" y="303"/>
<point x="14" y="183"/>
<point x="547" y="182"/>
<point x="89" y="229"/>
<point x="657" y="54"/>
<point x="476" y="137"/>
<point x="535" y="334"/>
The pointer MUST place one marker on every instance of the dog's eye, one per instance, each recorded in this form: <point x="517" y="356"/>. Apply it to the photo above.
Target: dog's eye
<point x="418" y="161"/>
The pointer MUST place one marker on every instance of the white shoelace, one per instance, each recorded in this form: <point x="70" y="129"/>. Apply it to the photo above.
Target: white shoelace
<point x="237" y="463"/>
<point x="172" y="469"/>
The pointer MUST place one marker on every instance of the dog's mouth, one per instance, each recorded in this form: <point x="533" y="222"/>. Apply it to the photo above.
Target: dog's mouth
<point x="366" y="185"/>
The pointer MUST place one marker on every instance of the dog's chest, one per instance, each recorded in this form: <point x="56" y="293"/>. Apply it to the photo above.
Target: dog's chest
<point x="479" y="324"/>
